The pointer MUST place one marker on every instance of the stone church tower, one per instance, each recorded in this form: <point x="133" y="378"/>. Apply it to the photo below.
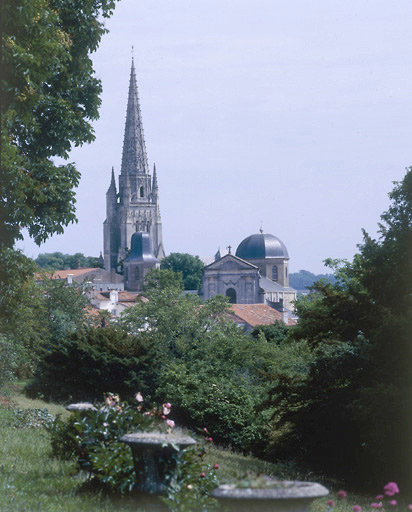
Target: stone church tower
<point x="135" y="207"/>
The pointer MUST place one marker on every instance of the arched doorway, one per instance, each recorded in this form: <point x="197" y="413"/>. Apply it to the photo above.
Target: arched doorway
<point x="231" y="293"/>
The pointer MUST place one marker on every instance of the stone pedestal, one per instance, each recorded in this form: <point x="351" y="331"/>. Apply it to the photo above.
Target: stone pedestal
<point x="284" y="497"/>
<point x="154" y="457"/>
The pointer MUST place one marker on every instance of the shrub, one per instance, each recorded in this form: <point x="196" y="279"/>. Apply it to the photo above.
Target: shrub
<point x="9" y="358"/>
<point x="91" y="361"/>
<point x="94" y="437"/>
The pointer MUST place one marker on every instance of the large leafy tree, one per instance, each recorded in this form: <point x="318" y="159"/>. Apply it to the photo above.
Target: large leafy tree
<point x="348" y="413"/>
<point x="49" y="96"/>
<point x="189" y="266"/>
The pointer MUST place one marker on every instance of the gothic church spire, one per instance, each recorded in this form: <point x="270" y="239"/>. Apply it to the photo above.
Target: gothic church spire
<point x="134" y="158"/>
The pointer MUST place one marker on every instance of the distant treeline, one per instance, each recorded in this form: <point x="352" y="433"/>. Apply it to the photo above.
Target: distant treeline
<point x="303" y="279"/>
<point x="60" y="261"/>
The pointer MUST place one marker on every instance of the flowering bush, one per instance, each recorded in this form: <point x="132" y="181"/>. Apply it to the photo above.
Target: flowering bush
<point x="194" y="480"/>
<point x="383" y="501"/>
<point x="94" y="437"/>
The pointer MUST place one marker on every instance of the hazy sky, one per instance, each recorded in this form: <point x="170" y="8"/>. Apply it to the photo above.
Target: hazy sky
<point x="297" y="114"/>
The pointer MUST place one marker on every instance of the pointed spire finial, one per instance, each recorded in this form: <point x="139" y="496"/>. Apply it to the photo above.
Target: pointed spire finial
<point x="261" y="229"/>
<point x="154" y="186"/>
<point x="134" y="158"/>
<point x="112" y="186"/>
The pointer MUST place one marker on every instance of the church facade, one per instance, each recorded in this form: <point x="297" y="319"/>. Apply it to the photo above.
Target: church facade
<point x="134" y="206"/>
<point x="257" y="274"/>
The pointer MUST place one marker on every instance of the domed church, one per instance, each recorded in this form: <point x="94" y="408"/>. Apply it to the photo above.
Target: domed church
<point x="258" y="273"/>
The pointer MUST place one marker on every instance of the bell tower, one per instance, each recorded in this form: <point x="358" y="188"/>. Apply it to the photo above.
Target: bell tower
<point x="135" y="206"/>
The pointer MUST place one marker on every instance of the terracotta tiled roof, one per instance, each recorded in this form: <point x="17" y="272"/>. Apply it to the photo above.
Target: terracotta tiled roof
<point x="257" y="314"/>
<point x="126" y="296"/>
<point x="123" y="296"/>
<point x="92" y="311"/>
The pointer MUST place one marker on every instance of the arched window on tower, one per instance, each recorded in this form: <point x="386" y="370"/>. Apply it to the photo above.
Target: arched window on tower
<point x="231" y="294"/>
<point x="141" y="192"/>
<point x="274" y="273"/>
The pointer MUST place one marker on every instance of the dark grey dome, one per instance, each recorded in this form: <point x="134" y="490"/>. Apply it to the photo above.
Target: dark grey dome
<point x="261" y="246"/>
<point x="141" y="248"/>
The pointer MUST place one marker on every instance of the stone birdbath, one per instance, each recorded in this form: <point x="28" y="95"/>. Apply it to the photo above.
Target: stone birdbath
<point x="154" y="457"/>
<point x="277" y="496"/>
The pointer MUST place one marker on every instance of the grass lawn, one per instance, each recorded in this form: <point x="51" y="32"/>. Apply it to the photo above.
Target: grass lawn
<point x="32" y="480"/>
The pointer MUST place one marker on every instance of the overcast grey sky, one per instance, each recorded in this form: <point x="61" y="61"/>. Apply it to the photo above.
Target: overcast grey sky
<point x="297" y="114"/>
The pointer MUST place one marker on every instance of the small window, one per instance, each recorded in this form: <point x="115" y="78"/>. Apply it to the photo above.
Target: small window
<point x="286" y="271"/>
<point x="141" y="192"/>
<point x="274" y="273"/>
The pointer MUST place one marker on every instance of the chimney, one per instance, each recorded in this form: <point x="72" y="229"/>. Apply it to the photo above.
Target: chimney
<point x="69" y="278"/>
<point x="114" y="296"/>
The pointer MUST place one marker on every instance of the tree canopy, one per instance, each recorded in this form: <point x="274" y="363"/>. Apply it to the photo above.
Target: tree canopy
<point x="349" y="408"/>
<point x="189" y="266"/>
<point x="49" y="96"/>
<point x="60" y="261"/>
<point x="305" y="279"/>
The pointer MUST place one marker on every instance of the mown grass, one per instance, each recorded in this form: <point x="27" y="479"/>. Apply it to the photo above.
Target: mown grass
<point x="32" y="480"/>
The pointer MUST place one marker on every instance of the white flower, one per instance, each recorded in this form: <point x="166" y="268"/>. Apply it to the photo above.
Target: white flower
<point x="139" y="397"/>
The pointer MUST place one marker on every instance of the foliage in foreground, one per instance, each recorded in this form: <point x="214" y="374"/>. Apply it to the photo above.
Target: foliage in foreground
<point x="175" y="347"/>
<point x="94" y="438"/>
<point x="49" y="97"/>
<point x="90" y="361"/>
<point x="347" y="414"/>
<point x="49" y="313"/>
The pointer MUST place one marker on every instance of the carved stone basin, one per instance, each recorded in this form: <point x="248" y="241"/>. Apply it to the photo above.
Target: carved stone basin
<point x="154" y="456"/>
<point x="284" y="497"/>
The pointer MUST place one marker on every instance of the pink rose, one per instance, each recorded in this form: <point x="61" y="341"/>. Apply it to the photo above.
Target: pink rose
<point x="391" y="487"/>
<point x="341" y="494"/>
<point x="389" y="493"/>
<point x="393" y="503"/>
<point x="170" y="423"/>
<point x="410" y="507"/>
<point x="330" y="503"/>
<point x="376" y="505"/>
<point x="357" y="508"/>
<point x="205" y="430"/>
<point x="216" y="466"/>
<point x="166" y="411"/>
<point x="210" y="439"/>
<point x="168" y="405"/>
<point x="380" y="497"/>
<point x="202" y="475"/>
